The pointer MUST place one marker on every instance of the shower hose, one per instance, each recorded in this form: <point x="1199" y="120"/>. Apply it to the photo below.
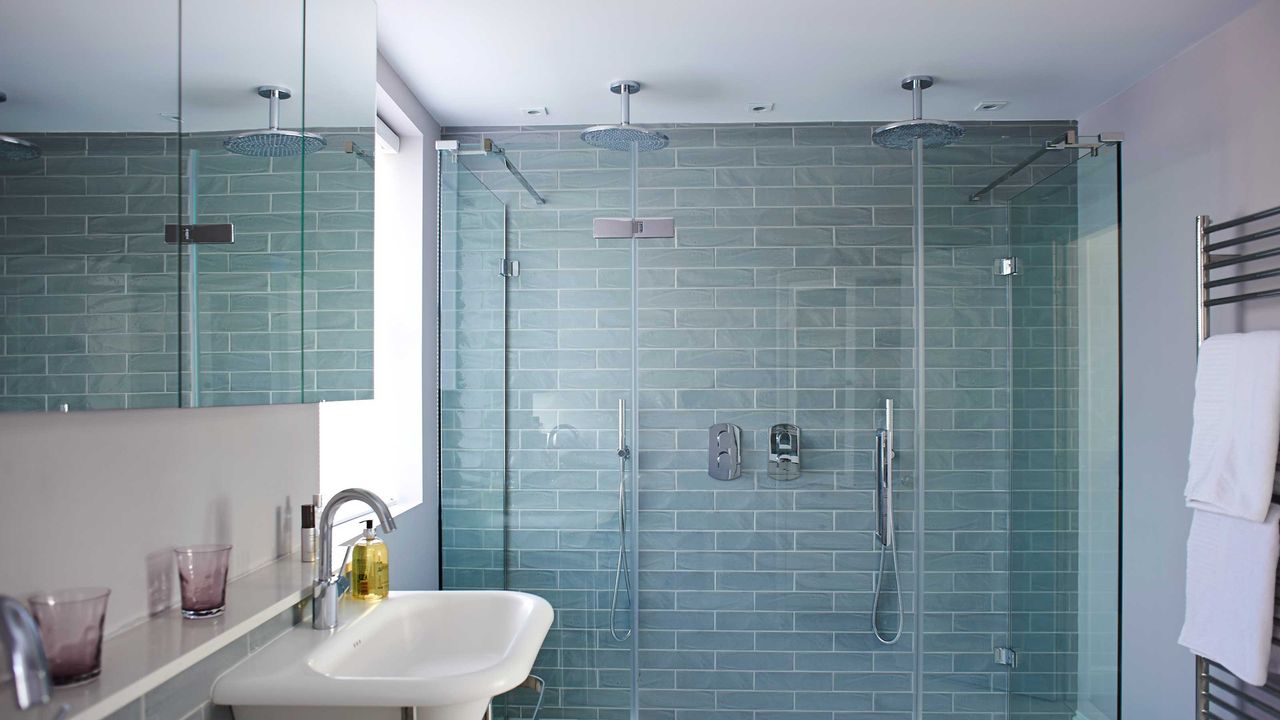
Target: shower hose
<point x="622" y="575"/>
<point x="888" y="550"/>
<point x="885" y="532"/>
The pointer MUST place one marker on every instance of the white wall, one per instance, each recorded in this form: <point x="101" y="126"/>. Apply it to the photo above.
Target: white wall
<point x="1200" y="137"/>
<point x="100" y="498"/>
<point x="416" y="541"/>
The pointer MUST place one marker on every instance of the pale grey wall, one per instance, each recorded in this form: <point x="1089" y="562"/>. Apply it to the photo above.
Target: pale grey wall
<point x="1199" y="138"/>
<point x="95" y="498"/>
<point x="416" y="540"/>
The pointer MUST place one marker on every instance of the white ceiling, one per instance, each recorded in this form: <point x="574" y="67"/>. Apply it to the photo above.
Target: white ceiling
<point x="476" y="62"/>
<point x="90" y="65"/>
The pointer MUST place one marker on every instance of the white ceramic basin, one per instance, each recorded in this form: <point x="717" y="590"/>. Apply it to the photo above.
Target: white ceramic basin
<point x="444" y="653"/>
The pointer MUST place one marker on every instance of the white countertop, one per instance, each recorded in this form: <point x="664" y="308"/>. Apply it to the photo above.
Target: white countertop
<point x="140" y="658"/>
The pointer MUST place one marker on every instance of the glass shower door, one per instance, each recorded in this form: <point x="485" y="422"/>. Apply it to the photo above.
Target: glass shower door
<point x="473" y="410"/>
<point x="536" y="382"/>
<point x="1064" y="470"/>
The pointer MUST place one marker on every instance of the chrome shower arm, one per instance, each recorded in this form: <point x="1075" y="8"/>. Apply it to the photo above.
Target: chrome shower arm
<point x="273" y="112"/>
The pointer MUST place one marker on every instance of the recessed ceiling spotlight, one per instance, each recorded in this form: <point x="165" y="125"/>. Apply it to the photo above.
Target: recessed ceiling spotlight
<point x="533" y="111"/>
<point x="760" y="107"/>
<point x="991" y="105"/>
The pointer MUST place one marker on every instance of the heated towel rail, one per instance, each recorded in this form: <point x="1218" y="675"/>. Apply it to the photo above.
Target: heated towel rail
<point x="1219" y="694"/>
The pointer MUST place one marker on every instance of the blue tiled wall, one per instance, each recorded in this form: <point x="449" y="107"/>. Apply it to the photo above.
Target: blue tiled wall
<point x="786" y="296"/>
<point x="90" y="290"/>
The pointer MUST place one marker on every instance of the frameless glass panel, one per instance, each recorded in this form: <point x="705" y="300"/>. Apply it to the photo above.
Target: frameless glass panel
<point x="571" y="520"/>
<point x="559" y="334"/>
<point x="473" y="350"/>
<point x="1064" y="484"/>
<point x="242" y="302"/>
<point x="88" y="171"/>
<point x="966" y="441"/>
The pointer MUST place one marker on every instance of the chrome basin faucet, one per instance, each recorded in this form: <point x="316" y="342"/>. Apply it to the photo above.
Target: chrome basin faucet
<point x="326" y="590"/>
<point x="27" y="660"/>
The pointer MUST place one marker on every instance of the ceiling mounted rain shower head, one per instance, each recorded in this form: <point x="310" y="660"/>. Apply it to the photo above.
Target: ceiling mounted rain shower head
<point x="903" y="135"/>
<point x="15" y="149"/>
<point x="624" y="136"/>
<point x="272" y="141"/>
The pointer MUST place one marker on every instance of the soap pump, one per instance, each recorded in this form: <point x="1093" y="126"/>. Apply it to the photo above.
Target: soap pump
<point x="370" y="578"/>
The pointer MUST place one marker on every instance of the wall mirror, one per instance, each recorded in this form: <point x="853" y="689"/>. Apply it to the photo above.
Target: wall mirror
<point x="186" y="203"/>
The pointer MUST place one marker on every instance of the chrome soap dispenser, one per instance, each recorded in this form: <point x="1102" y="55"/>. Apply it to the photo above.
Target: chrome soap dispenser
<point x="784" y="452"/>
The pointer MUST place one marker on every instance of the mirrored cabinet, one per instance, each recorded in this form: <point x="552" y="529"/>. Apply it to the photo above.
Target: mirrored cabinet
<point x="186" y="203"/>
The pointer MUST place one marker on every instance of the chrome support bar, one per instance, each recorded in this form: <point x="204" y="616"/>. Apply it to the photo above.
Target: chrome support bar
<point x="488" y="147"/>
<point x="1066" y="141"/>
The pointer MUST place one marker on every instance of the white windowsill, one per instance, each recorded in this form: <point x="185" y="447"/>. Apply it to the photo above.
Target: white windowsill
<point x="142" y="657"/>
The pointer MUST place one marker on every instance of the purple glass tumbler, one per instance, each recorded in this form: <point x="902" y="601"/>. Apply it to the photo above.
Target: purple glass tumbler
<point x="71" y="629"/>
<point x="202" y="575"/>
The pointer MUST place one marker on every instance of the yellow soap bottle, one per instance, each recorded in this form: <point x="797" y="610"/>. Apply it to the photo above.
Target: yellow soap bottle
<point x="370" y="577"/>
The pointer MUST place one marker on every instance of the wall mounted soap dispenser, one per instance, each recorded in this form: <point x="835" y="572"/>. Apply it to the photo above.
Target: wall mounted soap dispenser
<point x="784" y="452"/>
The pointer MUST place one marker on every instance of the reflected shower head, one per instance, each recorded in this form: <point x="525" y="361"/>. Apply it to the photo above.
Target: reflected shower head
<point x="626" y="135"/>
<point x="902" y="135"/>
<point x="14" y="149"/>
<point x="272" y="141"/>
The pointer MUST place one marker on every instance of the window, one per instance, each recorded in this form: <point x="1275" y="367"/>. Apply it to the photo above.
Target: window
<point x="377" y="444"/>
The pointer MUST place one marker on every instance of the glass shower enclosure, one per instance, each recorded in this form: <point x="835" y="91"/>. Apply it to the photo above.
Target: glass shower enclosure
<point x="812" y="277"/>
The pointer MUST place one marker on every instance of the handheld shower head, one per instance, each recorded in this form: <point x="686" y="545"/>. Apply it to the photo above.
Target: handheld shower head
<point x="622" y="137"/>
<point x="902" y="135"/>
<point x="272" y="141"/>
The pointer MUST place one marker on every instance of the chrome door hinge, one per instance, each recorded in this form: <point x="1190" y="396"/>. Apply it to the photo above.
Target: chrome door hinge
<point x="1006" y="266"/>
<point x="1006" y="656"/>
<point x="509" y="268"/>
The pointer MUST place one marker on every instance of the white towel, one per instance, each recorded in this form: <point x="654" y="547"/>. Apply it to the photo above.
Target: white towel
<point x="1236" y="425"/>
<point x="1231" y="591"/>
